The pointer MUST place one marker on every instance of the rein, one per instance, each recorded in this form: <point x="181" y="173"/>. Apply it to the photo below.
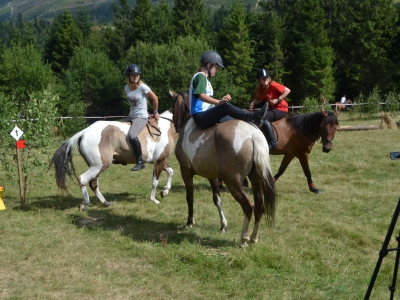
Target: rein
<point x="157" y="129"/>
<point x="325" y="141"/>
<point x="304" y="130"/>
<point x="158" y="134"/>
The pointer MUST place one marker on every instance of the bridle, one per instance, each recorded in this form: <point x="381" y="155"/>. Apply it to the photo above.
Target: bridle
<point x="323" y="141"/>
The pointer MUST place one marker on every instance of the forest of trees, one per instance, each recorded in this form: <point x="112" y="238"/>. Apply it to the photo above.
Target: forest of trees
<point x="318" y="48"/>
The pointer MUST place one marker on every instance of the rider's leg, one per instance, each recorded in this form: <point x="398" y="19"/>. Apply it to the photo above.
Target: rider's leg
<point x="269" y="133"/>
<point x="214" y="115"/>
<point x="138" y="152"/>
<point x="256" y="117"/>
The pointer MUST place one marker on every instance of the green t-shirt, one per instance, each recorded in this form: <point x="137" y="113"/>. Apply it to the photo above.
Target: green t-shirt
<point x="199" y="85"/>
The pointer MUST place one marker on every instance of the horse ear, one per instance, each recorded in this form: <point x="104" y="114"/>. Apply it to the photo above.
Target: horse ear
<point x="323" y="111"/>
<point x="172" y="93"/>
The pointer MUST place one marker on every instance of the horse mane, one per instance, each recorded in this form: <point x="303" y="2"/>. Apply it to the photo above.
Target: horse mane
<point x="311" y="122"/>
<point x="180" y="110"/>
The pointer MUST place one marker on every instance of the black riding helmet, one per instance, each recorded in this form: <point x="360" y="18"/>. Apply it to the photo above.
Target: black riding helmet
<point x="132" y="69"/>
<point x="211" y="57"/>
<point x="262" y="73"/>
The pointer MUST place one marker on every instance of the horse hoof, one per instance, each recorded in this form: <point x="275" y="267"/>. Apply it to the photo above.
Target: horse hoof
<point x="243" y="245"/>
<point x="164" y="193"/>
<point x="224" y="228"/>
<point x="155" y="201"/>
<point x="82" y="207"/>
<point x="315" y="191"/>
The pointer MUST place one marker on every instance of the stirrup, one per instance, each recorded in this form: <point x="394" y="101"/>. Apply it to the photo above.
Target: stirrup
<point x="273" y="145"/>
<point x="260" y="118"/>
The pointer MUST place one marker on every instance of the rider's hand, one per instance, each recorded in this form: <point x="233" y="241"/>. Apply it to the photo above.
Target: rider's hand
<point x="251" y="105"/>
<point x="225" y="99"/>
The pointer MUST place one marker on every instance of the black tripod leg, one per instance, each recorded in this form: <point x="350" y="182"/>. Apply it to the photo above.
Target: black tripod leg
<point x="384" y="250"/>
<point x="392" y="287"/>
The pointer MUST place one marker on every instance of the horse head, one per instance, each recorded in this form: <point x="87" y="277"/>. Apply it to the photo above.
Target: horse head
<point x="180" y="108"/>
<point x="328" y="129"/>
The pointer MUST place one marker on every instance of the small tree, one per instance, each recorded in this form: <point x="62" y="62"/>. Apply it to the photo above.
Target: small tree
<point x="36" y="119"/>
<point x="310" y="105"/>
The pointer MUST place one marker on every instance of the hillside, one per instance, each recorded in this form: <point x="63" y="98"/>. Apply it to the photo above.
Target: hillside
<point x="101" y="10"/>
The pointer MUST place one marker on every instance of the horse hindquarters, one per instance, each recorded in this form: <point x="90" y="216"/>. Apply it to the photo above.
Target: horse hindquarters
<point x="249" y="148"/>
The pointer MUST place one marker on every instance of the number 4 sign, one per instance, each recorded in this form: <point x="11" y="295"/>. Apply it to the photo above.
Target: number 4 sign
<point x="16" y="133"/>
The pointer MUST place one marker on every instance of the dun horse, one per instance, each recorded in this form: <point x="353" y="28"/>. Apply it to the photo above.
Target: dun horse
<point x="297" y="134"/>
<point x="104" y="140"/>
<point x="231" y="151"/>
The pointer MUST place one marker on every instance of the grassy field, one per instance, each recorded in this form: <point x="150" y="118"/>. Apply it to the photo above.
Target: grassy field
<point x="322" y="246"/>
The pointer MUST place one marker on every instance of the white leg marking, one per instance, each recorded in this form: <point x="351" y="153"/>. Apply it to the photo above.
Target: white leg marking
<point x="86" y="199"/>
<point x="244" y="237"/>
<point x="154" y="184"/>
<point x="101" y="197"/>
<point x="167" y="187"/>
<point x="254" y="235"/>
<point x="223" y="221"/>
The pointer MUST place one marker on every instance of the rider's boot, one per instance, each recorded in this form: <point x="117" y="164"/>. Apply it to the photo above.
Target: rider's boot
<point x="269" y="132"/>
<point x="138" y="152"/>
<point x="257" y="117"/>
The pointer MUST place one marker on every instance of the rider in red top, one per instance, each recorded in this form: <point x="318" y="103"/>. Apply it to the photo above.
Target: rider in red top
<point x="273" y="93"/>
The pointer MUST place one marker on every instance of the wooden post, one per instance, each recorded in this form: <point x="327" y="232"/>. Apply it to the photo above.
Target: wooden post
<point x="21" y="194"/>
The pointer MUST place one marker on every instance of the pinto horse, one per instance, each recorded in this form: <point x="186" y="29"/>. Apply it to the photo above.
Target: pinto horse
<point x="231" y="151"/>
<point x="104" y="141"/>
<point x="297" y="134"/>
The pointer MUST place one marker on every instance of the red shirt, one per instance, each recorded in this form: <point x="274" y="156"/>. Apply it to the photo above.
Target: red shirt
<point x="273" y="91"/>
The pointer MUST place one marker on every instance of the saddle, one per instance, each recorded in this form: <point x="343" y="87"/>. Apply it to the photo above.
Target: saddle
<point x="152" y="128"/>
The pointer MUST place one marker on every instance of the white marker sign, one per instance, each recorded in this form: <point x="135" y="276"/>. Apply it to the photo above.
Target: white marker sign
<point x="16" y="133"/>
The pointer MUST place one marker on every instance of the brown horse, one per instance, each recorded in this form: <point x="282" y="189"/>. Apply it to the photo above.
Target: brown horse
<point x="343" y="107"/>
<point x="231" y="151"/>
<point x="297" y="134"/>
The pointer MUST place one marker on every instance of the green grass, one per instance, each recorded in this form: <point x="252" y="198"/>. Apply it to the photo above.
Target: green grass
<point x="321" y="247"/>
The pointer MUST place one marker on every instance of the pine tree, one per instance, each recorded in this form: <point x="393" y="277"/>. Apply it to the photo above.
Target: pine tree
<point x="163" y="28"/>
<point x="83" y="19"/>
<point x="143" y="21"/>
<point x="362" y="35"/>
<point x="122" y="22"/>
<point x="64" y="39"/>
<point x="310" y="54"/>
<point x="268" y="30"/>
<point x="190" y="18"/>
<point x="237" y="53"/>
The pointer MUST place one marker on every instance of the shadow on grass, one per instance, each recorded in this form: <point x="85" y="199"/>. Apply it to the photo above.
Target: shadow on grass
<point x="146" y="230"/>
<point x="98" y="217"/>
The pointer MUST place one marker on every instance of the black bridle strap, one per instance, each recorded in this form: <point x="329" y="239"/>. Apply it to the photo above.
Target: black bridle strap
<point x="326" y="141"/>
<point x="304" y="130"/>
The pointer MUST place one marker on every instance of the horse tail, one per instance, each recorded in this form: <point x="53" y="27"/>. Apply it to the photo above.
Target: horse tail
<point x="62" y="160"/>
<point x="263" y="169"/>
